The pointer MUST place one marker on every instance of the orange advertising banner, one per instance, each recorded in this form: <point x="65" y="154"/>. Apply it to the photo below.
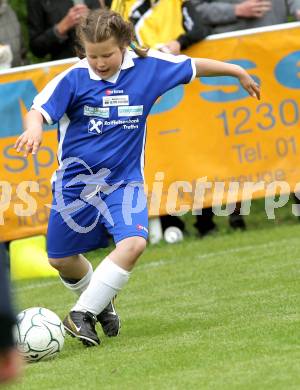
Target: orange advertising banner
<point x="206" y="135"/>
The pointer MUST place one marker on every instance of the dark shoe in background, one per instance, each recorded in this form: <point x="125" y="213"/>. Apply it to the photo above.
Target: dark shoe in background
<point x="204" y="223"/>
<point x="236" y="221"/>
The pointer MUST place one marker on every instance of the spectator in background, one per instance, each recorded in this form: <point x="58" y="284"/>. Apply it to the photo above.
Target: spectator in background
<point x="225" y="16"/>
<point x="159" y="21"/>
<point x="10" y="360"/>
<point x="11" y="49"/>
<point x="194" y="29"/>
<point x="52" y="23"/>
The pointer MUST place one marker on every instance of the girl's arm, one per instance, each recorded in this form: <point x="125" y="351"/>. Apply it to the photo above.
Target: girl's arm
<point x="206" y="67"/>
<point x="32" y="136"/>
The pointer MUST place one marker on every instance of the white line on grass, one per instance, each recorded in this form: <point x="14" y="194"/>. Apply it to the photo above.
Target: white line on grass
<point x="159" y="263"/>
<point x="236" y="250"/>
<point x="37" y="285"/>
<point x="270" y="244"/>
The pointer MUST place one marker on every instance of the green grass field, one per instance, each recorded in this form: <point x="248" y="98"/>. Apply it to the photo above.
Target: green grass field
<point x="216" y="313"/>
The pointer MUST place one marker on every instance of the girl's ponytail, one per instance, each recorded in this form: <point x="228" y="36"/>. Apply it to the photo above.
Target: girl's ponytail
<point x="140" y="51"/>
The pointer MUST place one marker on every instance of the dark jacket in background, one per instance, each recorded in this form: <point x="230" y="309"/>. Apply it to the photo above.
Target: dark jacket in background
<point x="196" y="28"/>
<point x="7" y="317"/>
<point x="43" y="15"/>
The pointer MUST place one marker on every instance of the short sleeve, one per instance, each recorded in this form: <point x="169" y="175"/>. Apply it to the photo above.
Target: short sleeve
<point x="173" y="70"/>
<point x="53" y="101"/>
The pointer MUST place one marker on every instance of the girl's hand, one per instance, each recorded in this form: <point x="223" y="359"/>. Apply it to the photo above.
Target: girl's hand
<point x="249" y="85"/>
<point x="29" y="141"/>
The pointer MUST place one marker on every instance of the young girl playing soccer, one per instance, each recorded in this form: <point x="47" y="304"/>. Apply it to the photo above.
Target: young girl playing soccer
<point x="101" y="105"/>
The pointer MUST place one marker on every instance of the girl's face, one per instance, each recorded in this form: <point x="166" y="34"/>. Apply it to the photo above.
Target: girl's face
<point x="105" y="58"/>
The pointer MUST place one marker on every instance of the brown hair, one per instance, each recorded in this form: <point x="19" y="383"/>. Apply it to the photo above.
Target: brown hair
<point x="102" y="24"/>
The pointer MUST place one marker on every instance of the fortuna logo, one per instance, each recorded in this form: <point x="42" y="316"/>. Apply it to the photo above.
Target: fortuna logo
<point x="141" y="227"/>
<point x="113" y="91"/>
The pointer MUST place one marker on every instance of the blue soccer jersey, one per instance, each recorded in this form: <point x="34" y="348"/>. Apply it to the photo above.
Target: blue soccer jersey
<point x="103" y="122"/>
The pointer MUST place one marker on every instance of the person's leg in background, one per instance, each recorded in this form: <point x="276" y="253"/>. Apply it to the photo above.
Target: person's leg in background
<point x="172" y="220"/>
<point x="236" y="221"/>
<point x="204" y="222"/>
<point x="296" y="199"/>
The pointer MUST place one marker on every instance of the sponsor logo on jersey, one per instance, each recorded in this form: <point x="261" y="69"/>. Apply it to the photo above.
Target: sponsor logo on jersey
<point x="102" y="112"/>
<point x="130" y="110"/>
<point x="95" y="126"/>
<point x="127" y="124"/>
<point x="119" y="100"/>
<point x="113" y="91"/>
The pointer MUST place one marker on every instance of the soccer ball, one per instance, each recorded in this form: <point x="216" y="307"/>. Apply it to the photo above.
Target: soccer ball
<point x="40" y="334"/>
<point x="173" y="234"/>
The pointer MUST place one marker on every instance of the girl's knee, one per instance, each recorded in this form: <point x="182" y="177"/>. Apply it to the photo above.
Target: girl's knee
<point x="138" y="246"/>
<point x="135" y="246"/>
<point x="62" y="264"/>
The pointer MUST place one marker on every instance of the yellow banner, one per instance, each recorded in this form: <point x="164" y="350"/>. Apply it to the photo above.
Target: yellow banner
<point x="23" y="205"/>
<point x="205" y="132"/>
<point x="211" y="128"/>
